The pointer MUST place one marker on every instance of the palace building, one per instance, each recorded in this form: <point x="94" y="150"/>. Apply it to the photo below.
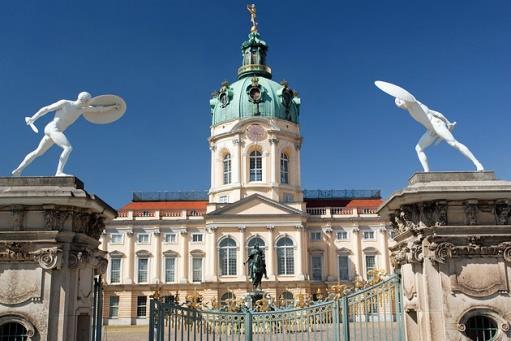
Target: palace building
<point x="187" y="242"/>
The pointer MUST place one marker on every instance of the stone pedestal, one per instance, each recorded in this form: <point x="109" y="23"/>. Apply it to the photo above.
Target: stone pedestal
<point x="453" y="248"/>
<point x="49" y="231"/>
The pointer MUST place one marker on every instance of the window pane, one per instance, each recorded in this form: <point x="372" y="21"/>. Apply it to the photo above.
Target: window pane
<point x="196" y="269"/>
<point x="114" y="306"/>
<point x="116" y="238"/>
<point x="256" y="166"/>
<point x="142" y="269"/>
<point x="141" y="306"/>
<point x="284" y="169"/>
<point x="115" y="270"/>
<point x="316" y="268"/>
<point x="227" y="169"/>
<point x="370" y="262"/>
<point x="344" y="268"/>
<point x="342" y="235"/>
<point x="170" y="269"/>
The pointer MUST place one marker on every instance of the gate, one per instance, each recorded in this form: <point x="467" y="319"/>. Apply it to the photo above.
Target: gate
<point x="97" y="311"/>
<point x="373" y="313"/>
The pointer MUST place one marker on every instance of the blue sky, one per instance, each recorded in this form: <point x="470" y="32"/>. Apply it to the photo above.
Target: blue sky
<point x="166" y="57"/>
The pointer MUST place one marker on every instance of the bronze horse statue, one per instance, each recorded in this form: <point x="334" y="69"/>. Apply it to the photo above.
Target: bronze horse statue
<point x="256" y="267"/>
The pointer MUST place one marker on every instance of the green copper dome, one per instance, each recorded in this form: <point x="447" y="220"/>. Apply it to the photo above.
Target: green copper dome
<point x="254" y="94"/>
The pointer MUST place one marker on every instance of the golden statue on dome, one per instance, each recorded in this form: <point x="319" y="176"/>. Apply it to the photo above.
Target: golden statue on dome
<point x="252" y="10"/>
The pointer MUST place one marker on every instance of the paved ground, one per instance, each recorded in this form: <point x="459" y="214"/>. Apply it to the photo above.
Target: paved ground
<point x="128" y="333"/>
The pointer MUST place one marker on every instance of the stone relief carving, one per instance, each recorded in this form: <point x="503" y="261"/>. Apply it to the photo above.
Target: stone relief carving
<point x="50" y="258"/>
<point x="473" y="246"/>
<point x="466" y="277"/>
<point x="471" y="209"/>
<point x="18" y="213"/>
<point x="501" y="212"/>
<point x="417" y="216"/>
<point x="55" y="218"/>
<point x="21" y="284"/>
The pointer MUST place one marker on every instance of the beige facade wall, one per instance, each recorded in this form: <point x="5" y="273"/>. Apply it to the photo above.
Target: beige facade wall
<point x="242" y="224"/>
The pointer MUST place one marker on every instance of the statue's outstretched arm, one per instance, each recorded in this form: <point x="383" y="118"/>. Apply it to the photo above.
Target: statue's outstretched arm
<point x="44" y="110"/>
<point x="101" y="108"/>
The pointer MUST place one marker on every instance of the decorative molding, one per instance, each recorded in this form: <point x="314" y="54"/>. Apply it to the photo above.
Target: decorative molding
<point x="274" y="141"/>
<point x="270" y="227"/>
<point x="441" y="251"/>
<point x="49" y="259"/>
<point x="471" y="210"/>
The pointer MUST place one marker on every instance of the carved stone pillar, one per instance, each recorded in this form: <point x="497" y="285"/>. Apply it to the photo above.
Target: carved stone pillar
<point x="242" y="269"/>
<point x="49" y="256"/>
<point x="453" y="253"/>
<point x="157" y="270"/>
<point x="211" y="271"/>
<point x="270" y="252"/>
<point x="300" y="254"/>
<point x="183" y="253"/>
<point x="274" y="161"/>
<point x="357" y="253"/>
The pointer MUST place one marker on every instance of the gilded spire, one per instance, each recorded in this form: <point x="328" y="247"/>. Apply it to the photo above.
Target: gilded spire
<point x="252" y="10"/>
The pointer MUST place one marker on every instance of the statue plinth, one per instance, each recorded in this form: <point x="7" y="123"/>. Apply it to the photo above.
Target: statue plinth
<point x="252" y="297"/>
<point x="49" y="256"/>
<point x="453" y="248"/>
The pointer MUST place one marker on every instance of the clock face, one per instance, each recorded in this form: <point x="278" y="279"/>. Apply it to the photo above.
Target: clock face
<point x="256" y="133"/>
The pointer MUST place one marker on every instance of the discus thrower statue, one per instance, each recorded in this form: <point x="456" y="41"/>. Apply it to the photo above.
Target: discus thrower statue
<point x="438" y="127"/>
<point x="100" y="110"/>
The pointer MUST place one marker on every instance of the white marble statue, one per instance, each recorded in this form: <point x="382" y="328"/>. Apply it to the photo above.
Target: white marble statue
<point x="438" y="127"/>
<point x="101" y="109"/>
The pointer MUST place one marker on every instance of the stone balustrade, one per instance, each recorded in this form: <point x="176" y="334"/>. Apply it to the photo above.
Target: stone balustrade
<point x="166" y="214"/>
<point x="340" y="211"/>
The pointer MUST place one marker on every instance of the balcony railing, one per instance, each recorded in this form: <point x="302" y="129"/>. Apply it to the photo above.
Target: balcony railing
<point x="166" y="214"/>
<point x="340" y="211"/>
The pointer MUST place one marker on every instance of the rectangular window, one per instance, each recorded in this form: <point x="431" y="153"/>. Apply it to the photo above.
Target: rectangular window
<point x="197" y="237"/>
<point x="143" y="238"/>
<point x="288" y="197"/>
<point x="316" y="268"/>
<point x="256" y="166"/>
<point x="196" y="269"/>
<point x="370" y="263"/>
<point x="116" y="238"/>
<point x="369" y="235"/>
<point x="284" y="169"/>
<point x="115" y="270"/>
<point x="344" y="274"/>
<point x="315" y="235"/>
<point x="170" y="269"/>
<point x="141" y="306"/>
<point x="114" y="307"/>
<point x="143" y="266"/>
<point x="227" y="169"/>
<point x="224" y="199"/>
<point x="170" y="238"/>
<point x="342" y="235"/>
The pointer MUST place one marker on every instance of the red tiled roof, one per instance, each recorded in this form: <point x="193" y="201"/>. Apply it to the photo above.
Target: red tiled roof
<point x="365" y="203"/>
<point x="162" y="205"/>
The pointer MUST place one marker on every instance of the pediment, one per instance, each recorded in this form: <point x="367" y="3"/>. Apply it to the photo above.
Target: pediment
<point x="256" y="204"/>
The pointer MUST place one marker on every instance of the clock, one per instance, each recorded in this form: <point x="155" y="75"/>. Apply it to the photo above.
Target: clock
<point x="256" y="133"/>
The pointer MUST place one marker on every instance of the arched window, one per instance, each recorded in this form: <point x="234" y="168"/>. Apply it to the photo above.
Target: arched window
<point x="227" y="257"/>
<point x="253" y="242"/>
<point x="256" y="166"/>
<point x="13" y="331"/>
<point x="227" y="169"/>
<point x="287" y="299"/>
<point x="285" y="256"/>
<point x="227" y="296"/>
<point x="284" y="168"/>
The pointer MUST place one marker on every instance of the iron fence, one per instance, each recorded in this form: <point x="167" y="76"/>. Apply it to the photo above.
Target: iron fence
<point x="373" y="313"/>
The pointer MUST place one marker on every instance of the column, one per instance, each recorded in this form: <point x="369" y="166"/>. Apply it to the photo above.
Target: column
<point x="236" y="161"/>
<point x="331" y="254"/>
<point x="298" y="164"/>
<point x="213" y="164"/>
<point x="130" y="259"/>
<point x="183" y="253"/>
<point x="273" y="161"/>
<point x="157" y="257"/>
<point x="211" y="264"/>
<point x="357" y="252"/>
<point x="270" y="252"/>
<point x="242" y="269"/>
<point x="384" y="250"/>
<point x="299" y="264"/>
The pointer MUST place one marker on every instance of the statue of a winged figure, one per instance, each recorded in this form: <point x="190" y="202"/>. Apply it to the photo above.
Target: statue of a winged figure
<point x="438" y="127"/>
